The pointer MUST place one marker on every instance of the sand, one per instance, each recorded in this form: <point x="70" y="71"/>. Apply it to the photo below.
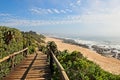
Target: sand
<point x="111" y="65"/>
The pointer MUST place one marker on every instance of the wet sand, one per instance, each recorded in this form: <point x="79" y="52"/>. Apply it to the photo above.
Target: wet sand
<point x="111" y="65"/>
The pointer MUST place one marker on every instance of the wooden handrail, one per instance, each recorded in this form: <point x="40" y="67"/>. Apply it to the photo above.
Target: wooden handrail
<point x="11" y="55"/>
<point x="11" y="59"/>
<point x="62" y="71"/>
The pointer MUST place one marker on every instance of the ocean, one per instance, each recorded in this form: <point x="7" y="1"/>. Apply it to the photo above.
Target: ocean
<point x="111" y="42"/>
<point x="102" y="45"/>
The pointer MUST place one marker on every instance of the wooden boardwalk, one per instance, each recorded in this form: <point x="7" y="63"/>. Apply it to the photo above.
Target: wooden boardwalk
<point x="34" y="67"/>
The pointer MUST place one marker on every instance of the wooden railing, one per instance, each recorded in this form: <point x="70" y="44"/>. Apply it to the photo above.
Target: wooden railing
<point x="59" y="66"/>
<point x="11" y="57"/>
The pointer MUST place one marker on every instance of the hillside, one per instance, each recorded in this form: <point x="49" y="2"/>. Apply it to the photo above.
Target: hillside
<point x="13" y="40"/>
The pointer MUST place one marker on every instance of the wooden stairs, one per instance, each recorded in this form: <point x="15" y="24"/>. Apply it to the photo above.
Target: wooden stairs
<point x="34" y="67"/>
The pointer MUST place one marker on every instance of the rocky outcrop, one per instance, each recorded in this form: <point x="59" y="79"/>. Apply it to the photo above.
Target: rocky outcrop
<point x="103" y="50"/>
<point x="113" y="52"/>
<point x="75" y="43"/>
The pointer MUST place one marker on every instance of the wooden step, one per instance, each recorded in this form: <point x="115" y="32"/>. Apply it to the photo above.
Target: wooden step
<point x="34" y="67"/>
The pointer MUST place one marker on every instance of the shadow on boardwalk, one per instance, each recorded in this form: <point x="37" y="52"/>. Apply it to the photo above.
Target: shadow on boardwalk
<point x="34" y="67"/>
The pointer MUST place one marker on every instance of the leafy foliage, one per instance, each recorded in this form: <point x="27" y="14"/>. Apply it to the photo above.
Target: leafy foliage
<point x="12" y="40"/>
<point x="32" y="39"/>
<point x="51" y="46"/>
<point x="79" y="68"/>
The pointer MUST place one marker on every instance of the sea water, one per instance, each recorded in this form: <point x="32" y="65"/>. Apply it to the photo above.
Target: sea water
<point x="109" y="45"/>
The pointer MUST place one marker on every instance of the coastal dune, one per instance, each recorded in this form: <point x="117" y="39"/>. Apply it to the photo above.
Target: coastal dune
<point x="111" y="65"/>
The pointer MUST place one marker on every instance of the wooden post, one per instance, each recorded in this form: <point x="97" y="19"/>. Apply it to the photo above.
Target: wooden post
<point x="0" y="67"/>
<point x="12" y="62"/>
<point x="51" y="64"/>
<point x="25" y="53"/>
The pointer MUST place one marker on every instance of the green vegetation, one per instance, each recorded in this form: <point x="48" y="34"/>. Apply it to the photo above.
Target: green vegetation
<point x="51" y="46"/>
<point x="32" y="39"/>
<point x="79" y="68"/>
<point x="76" y="66"/>
<point x="12" y="40"/>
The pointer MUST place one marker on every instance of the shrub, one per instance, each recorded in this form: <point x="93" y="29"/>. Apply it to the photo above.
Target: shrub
<point x="79" y="68"/>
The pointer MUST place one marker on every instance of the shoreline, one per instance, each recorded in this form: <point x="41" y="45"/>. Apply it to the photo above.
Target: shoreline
<point x="111" y="65"/>
<point x="104" y="50"/>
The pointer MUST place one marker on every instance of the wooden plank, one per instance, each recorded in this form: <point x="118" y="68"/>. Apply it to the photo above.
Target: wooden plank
<point x="38" y="70"/>
<point x="7" y="57"/>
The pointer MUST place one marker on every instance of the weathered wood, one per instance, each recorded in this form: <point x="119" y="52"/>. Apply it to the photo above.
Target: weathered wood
<point x="34" y="67"/>
<point x="12" y="61"/>
<point x="5" y="58"/>
<point x="60" y="68"/>
<point x="11" y="55"/>
<point x="51" y="64"/>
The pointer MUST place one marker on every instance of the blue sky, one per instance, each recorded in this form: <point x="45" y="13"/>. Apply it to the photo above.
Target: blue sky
<point x="79" y="17"/>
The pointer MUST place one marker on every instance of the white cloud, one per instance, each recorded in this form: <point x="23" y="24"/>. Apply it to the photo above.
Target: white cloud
<point x="68" y="10"/>
<point x="78" y="2"/>
<point x="72" y="5"/>
<point x="103" y="12"/>
<point x="56" y="11"/>
<point x="101" y="15"/>
<point x="62" y="11"/>
<point x="4" y="14"/>
<point x="25" y="22"/>
<point x="75" y="4"/>
<point x="49" y="11"/>
<point x="40" y="11"/>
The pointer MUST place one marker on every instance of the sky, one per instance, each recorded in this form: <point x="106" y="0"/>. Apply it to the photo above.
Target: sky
<point x="77" y="17"/>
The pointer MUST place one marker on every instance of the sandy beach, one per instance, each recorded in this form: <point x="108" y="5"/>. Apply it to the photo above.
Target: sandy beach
<point x="111" y="65"/>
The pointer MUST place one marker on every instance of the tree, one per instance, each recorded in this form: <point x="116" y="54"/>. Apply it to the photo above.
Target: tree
<point x="51" y="46"/>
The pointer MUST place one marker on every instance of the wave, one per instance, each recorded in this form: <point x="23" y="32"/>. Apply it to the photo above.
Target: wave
<point x="107" y="48"/>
